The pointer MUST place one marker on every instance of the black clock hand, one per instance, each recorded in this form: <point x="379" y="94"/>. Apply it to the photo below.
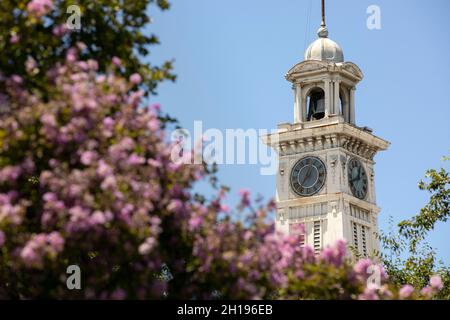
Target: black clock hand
<point x="354" y="178"/>
<point x="308" y="173"/>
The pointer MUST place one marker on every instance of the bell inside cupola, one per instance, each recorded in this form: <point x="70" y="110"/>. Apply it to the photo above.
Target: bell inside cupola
<point x="316" y="105"/>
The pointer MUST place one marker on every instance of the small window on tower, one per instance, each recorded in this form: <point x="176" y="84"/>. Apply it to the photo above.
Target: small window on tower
<point x="316" y="104"/>
<point x="364" y="241"/>
<point x="317" y="237"/>
<point x="355" y="236"/>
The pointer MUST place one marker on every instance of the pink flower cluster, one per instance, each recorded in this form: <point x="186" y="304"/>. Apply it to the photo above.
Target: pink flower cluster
<point x="39" y="8"/>
<point x="97" y="180"/>
<point x="41" y="246"/>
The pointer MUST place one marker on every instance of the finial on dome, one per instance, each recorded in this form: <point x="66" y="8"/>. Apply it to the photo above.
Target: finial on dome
<point x="324" y="49"/>
<point x="323" y="31"/>
<point x="323" y="25"/>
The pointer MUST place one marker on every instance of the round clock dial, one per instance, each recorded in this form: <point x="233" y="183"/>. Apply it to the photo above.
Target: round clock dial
<point x="308" y="176"/>
<point x="357" y="178"/>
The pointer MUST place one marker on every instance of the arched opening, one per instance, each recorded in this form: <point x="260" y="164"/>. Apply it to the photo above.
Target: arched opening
<point x="316" y="104"/>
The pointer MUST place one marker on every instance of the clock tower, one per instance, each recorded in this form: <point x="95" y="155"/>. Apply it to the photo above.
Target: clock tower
<point x="325" y="179"/>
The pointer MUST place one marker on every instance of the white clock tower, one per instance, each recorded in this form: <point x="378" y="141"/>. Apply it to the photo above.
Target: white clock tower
<point x="325" y="180"/>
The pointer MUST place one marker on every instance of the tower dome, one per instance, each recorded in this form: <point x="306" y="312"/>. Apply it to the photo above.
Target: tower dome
<point x="324" y="49"/>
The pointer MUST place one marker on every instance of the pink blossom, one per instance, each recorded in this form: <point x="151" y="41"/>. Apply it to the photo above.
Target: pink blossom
<point x="436" y="282"/>
<point x="146" y="247"/>
<point x="15" y="38"/>
<point x="117" y="62"/>
<point x="154" y="124"/>
<point x="176" y="206"/>
<point x="135" y="78"/>
<point x="135" y="160"/>
<point x="98" y="217"/>
<point x="56" y="241"/>
<point x="40" y="247"/>
<point x="71" y="55"/>
<point x="406" y="291"/>
<point x="369" y="294"/>
<point x="60" y="30"/>
<point x="156" y="107"/>
<point x="16" y="79"/>
<point x="88" y="157"/>
<point x="108" y="183"/>
<point x="9" y="173"/>
<point x="427" y="292"/>
<point x="362" y="266"/>
<point x="103" y="169"/>
<point x="39" y="8"/>
<point x="195" y="222"/>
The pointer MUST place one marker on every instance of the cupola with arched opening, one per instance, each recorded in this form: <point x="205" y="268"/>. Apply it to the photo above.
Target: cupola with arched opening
<point x="324" y="85"/>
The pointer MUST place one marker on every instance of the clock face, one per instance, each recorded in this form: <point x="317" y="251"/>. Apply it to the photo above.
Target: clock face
<point x="308" y="176"/>
<point x="357" y="178"/>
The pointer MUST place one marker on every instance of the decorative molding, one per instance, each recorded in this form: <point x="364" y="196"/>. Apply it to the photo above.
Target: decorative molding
<point x="310" y="68"/>
<point x="327" y="141"/>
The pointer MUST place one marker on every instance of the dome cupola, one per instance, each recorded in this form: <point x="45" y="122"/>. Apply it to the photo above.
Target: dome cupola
<point x="324" y="49"/>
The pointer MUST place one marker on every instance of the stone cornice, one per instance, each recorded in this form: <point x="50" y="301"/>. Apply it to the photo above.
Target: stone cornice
<point x="327" y="134"/>
<point x="310" y="69"/>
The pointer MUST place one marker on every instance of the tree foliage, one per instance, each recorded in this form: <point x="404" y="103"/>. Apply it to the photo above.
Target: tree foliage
<point x="34" y="35"/>
<point x="409" y="258"/>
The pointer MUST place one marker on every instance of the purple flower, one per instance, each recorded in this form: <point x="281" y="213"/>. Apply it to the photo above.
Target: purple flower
<point x="154" y="124"/>
<point x="362" y="266"/>
<point x="146" y="247"/>
<point x="103" y="169"/>
<point x="369" y="294"/>
<point x="427" y="292"/>
<point x="436" y="282"/>
<point x="16" y="79"/>
<point x="176" y="206"/>
<point x="135" y="78"/>
<point x="40" y="247"/>
<point x="245" y="197"/>
<point x="56" y="241"/>
<point x="39" y="8"/>
<point x="88" y="157"/>
<point x="71" y="55"/>
<point x="406" y="291"/>
<point x="9" y="173"/>
<point x="195" y="222"/>
<point x="15" y="38"/>
<point x="117" y="62"/>
<point x="155" y="106"/>
<point x="60" y="30"/>
<point x="135" y="160"/>
<point x="109" y="183"/>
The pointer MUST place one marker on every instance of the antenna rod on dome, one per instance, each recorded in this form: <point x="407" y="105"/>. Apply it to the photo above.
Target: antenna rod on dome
<point x="323" y="13"/>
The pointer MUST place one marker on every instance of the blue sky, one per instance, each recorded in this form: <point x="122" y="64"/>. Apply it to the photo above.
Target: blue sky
<point x="231" y="57"/>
